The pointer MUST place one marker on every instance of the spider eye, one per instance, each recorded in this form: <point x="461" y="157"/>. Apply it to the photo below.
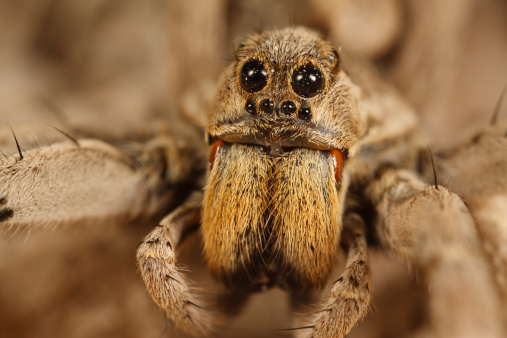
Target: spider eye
<point x="307" y="81"/>
<point x="254" y="76"/>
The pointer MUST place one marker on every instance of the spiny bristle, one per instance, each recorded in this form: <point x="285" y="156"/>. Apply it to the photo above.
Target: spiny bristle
<point x="295" y="328"/>
<point x="17" y="144"/>
<point x="434" y="170"/>
<point x="66" y="135"/>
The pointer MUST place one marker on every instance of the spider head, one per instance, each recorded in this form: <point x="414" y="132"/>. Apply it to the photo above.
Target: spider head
<point x="285" y="90"/>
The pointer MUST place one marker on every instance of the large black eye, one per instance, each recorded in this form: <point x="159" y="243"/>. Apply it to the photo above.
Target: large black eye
<point x="307" y="81"/>
<point x="254" y="76"/>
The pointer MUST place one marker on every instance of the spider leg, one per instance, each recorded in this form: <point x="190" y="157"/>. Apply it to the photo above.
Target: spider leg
<point x="434" y="228"/>
<point x="166" y="284"/>
<point x="477" y="172"/>
<point x="349" y="298"/>
<point x="92" y="183"/>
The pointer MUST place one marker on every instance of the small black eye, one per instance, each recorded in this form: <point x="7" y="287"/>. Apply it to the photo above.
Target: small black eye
<point x="307" y="81"/>
<point x="253" y="76"/>
<point x="288" y="108"/>
<point x="267" y="106"/>
<point x="250" y="107"/>
<point x="305" y="113"/>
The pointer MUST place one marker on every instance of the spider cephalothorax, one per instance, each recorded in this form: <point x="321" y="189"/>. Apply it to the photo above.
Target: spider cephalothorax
<point x="285" y="131"/>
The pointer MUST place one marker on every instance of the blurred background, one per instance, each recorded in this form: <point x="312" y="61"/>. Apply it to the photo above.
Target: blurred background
<point x="105" y="68"/>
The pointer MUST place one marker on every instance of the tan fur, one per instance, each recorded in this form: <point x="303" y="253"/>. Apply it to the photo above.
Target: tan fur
<point x="234" y="205"/>
<point x="108" y="186"/>
<point x="294" y="194"/>
<point x="306" y="213"/>
<point x="93" y="169"/>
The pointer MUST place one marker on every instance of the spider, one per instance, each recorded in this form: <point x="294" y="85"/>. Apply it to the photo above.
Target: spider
<point x="309" y="151"/>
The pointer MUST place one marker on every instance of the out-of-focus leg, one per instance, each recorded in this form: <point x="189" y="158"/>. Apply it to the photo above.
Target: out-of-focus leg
<point x="433" y="227"/>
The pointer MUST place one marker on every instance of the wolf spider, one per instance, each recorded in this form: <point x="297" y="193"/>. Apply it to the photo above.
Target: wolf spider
<point x="309" y="152"/>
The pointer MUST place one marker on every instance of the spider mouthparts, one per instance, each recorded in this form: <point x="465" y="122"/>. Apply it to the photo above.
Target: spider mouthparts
<point x="215" y="147"/>
<point x="337" y="157"/>
<point x="276" y="149"/>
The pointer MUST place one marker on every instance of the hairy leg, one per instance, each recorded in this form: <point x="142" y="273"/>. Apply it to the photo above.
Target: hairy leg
<point x="349" y="299"/>
<point x="166" y="284"/>
<point x="91" y="183"/>
<point x="433" y="227"/>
